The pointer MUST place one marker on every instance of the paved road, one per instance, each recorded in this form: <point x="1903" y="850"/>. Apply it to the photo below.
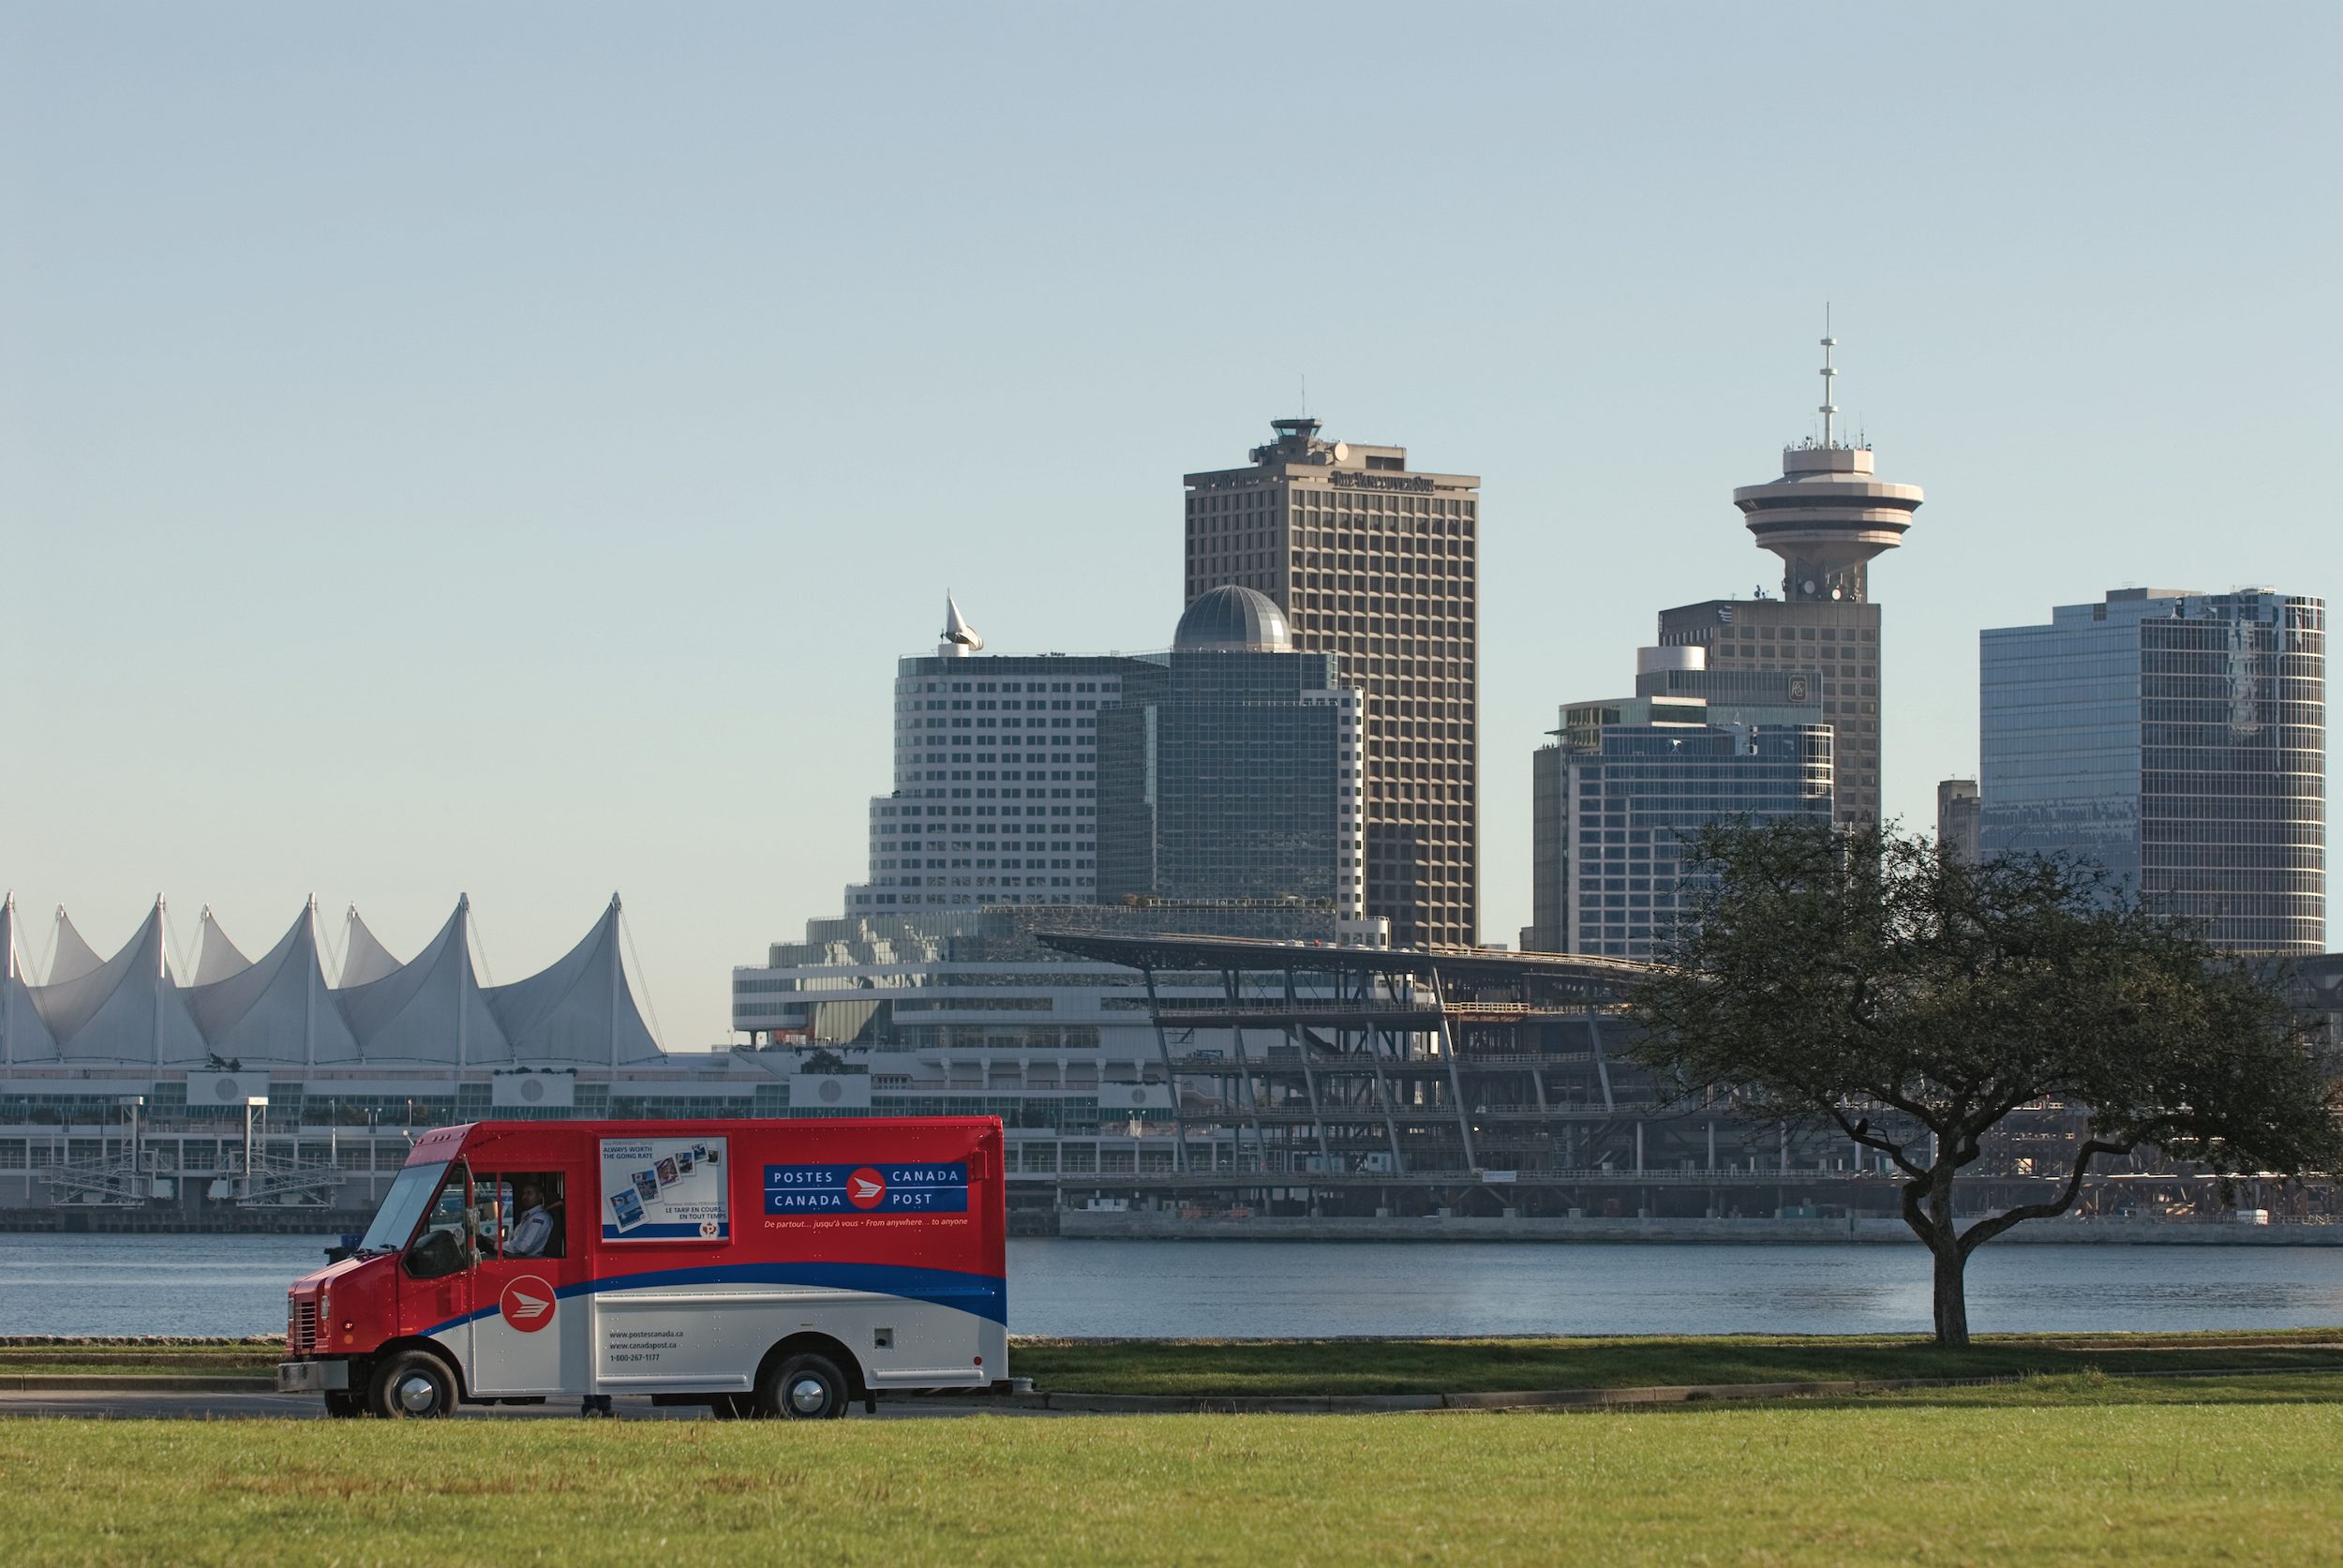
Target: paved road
<point x="232" y="1407"/>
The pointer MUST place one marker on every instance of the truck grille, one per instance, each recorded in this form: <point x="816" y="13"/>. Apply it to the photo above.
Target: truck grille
<point x="301" y="1334"/>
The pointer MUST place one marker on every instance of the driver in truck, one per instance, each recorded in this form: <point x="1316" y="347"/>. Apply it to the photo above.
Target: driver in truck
<point x="538" y="1232"/>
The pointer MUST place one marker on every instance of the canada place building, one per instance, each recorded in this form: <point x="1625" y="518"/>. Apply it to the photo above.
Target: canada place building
<point x="1376" y="563"/>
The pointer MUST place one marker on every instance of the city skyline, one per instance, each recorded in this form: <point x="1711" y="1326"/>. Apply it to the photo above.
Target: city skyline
<point x="490" y="489"/>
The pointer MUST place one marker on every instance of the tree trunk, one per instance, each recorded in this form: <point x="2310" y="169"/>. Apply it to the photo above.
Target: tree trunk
<point x="1951" y="1292"/>
<point x="1927" y="1209"/>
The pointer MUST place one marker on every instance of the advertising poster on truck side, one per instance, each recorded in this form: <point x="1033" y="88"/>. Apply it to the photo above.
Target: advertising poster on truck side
<point x="664" y="1190"/>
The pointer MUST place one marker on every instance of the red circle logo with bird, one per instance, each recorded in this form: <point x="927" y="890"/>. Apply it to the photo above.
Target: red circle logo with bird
<point x="527" y="1303"/>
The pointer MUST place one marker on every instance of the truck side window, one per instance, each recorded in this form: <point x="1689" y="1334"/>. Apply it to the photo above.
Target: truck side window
<point x="444" y="1245"/>
<point x="536" y="1214"/>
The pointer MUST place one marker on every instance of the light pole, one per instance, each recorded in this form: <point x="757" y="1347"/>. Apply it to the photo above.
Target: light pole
<point x="255" y="1107"/>
<point x="131" y="1104"/>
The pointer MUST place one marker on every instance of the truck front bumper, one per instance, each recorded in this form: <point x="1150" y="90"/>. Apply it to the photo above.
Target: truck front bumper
<point x="313" y="1377"/>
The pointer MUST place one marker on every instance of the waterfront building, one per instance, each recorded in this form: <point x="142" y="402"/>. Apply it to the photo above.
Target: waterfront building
<point x="1957" y="817"/>
<point x="2179" y="739"/>
<point x="259" y="1086"/>
<point x="1827" y="516"/>
<point x="132" y="1013"/>
<point x="996" y="777"/>
<point x="1224" y="768"/>
<point x="1378" y="563"/>
<point x="1228" y="1056"/>
<point x="1633" y="777"/>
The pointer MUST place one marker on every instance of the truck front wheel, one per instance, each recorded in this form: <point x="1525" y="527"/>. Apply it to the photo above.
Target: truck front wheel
<point x="805" y="1388"/>
<point x="412" y="1384"/>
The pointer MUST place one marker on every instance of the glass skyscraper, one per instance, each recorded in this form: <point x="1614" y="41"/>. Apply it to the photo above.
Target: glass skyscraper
<point x="1634" y="777"/>
<point x="1231" y="771"/>
<point x="2177" y="738"/>
<point x="1631" y="801"/>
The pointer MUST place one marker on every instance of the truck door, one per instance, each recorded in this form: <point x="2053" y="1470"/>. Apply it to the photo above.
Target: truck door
<point x="529" y="1251"/>
<point x="435" y="1295"/>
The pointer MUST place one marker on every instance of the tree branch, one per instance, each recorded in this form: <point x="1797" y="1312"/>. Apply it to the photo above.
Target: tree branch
<point x="1916" y="1212"/>
<point x="1984" y="1231"/>
<point x="1861" y="1134"/>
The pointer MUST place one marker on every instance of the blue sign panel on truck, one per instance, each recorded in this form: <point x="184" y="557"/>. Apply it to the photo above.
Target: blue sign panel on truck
<point x="892" y="1188"/>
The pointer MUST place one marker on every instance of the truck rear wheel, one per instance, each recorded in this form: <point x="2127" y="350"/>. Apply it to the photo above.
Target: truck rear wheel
<point x="344" y="1405"/>
<point x="413" y="1384"/>
<point x="805" y="1387"/>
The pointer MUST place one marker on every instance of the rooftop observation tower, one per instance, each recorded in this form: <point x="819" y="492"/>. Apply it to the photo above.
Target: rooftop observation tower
<point x="1828" y="514"/>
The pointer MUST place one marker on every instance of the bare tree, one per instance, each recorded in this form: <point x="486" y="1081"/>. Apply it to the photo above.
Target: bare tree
<point x="1865" y="982"/>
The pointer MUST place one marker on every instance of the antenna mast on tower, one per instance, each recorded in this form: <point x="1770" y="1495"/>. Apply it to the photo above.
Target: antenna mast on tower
<point x="1830" y="405"/>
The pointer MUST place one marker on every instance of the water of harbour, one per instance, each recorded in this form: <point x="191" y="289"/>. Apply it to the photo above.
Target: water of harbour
<point x="231" y="1284"/>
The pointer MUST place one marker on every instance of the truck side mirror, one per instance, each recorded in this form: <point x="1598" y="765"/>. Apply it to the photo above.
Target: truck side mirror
<point x="438" y="1255"/>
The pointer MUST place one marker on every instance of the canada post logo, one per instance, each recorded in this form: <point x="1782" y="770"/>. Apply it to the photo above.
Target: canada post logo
<point x="880" y="1189"/>
<point x="528" y="1303"/>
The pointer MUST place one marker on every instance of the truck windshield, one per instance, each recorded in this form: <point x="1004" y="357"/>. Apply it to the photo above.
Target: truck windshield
<point x="395" y="1221"/>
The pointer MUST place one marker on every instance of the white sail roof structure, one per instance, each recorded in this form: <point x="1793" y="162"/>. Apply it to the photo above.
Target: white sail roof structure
<point x="23" y="1038"/>
<point x="277" y="1009"/>
<point x="217" y="958"/>
<point x="430" y="1011"/>
<point x="280" y="1009"/>
<point x="364" y="959"/>
<point x="579" y="1009"/>
<point x="72" y="958"/>
<point x="126" y="1009"/>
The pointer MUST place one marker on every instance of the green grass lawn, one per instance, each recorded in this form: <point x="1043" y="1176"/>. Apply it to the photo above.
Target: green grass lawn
<point x="1231" y="1366"/>
<point x="2068" y="1470"/>
<point x="211" y="1359"/>
<point x="259" y="1378"/>
<point x="1234" y="1367"/>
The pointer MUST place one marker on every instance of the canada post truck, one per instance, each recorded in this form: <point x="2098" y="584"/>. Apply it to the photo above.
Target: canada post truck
<point x="763" y="1268"/>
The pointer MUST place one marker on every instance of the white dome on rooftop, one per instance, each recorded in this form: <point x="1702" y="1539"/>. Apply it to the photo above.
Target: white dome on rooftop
<point x="1232" y="619"/>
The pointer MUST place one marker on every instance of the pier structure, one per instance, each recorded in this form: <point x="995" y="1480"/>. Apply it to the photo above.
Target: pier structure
<point x="1208" y="1062"/>
<point x="1354" y="1081"/>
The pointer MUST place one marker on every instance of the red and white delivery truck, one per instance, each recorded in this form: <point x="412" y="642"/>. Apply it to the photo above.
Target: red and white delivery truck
<point x="784" y="1267"/>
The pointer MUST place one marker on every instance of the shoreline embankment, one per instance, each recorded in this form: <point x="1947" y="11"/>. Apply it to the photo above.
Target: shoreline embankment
<point x="1165" y="1225"/>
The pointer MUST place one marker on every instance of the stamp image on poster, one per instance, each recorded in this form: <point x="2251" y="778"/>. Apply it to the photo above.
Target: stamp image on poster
<point x="664" y="1189"/>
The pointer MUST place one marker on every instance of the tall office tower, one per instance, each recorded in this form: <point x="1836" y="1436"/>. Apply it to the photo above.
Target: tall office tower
<point x="2177" y="738"/>
<point x="1957" y="809"/>
<point x="1378" y="564"/>
<point x="1827" y="517"/>
<point x="1634" y="776"/>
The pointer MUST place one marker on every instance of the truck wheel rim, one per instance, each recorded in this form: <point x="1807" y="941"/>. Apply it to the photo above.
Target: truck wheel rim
<point x="417" y="1394"/>
<point x="808" y="1394"/>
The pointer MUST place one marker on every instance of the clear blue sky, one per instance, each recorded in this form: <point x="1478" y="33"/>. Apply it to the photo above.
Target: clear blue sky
<point x="501" y="449"/>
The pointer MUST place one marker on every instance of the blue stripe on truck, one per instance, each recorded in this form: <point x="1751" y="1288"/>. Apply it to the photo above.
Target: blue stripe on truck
<point x="984" y="1296"/>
